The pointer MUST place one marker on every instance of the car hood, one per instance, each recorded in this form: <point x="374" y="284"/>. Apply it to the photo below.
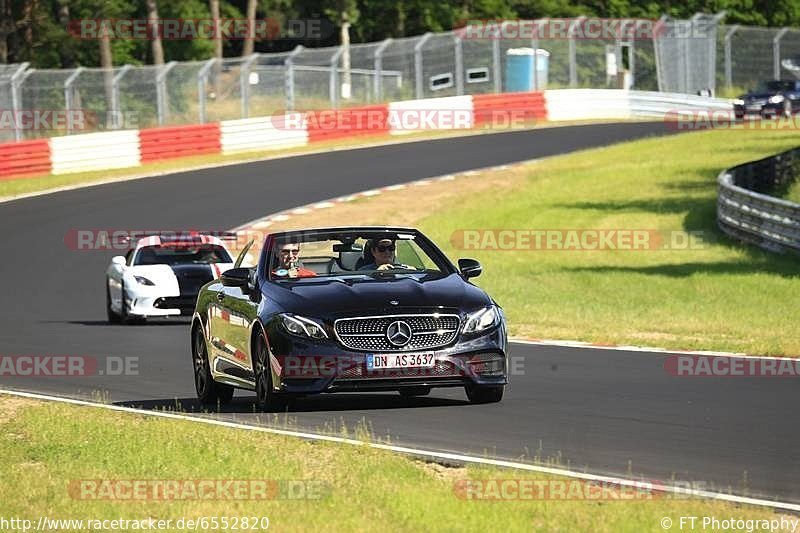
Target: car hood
<point x="336" y="297"/>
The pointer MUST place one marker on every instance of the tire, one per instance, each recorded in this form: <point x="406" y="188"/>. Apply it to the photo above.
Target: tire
<point x="208" y="391"/>
<point x="410" y="392"/>
<point x="266" y="399"/>
<point x="113" y="318"/>
<point x="477" y="394"/>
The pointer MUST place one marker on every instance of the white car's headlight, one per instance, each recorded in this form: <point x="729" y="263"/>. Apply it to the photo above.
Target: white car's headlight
<point x="777" y="99"/>
<point x="481" y="320"/>
<point x="141" y="280"/>
<point x="738" y="101"/>
<point x="302" y="327"/>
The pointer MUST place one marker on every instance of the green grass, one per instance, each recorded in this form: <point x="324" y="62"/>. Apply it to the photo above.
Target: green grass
<point x="725" y="296"/>
<point x="793" y="194"/>
<point x="49" y="446"/>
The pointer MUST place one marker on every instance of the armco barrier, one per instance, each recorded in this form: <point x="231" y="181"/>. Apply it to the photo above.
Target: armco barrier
<point x="450" y="112"/>
<point x="505" y="110"/>
<point x="95" y="151"/>
<point x="746" y="212"/>
<point x="26" y="158"/>
<point x="586" y="104"/>
<point x="179" y="141"/>
<point x="263" y="133"/>
<point x="350" y="122"/>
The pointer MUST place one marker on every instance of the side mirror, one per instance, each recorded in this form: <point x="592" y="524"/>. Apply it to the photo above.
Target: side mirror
<point x="470" y="268"/>
<point x="118" y="260"/>
<point x="236" y="277"/>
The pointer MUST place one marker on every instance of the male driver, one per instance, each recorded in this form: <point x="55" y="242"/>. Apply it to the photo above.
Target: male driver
<point x="289" y="263"/>
<point x="382" y="253"/>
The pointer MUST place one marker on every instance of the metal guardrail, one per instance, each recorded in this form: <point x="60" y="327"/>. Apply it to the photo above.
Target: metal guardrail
<point x="747" y="209"/>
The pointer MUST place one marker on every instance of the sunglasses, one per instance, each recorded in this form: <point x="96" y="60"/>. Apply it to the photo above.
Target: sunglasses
<point x="290" y="251"/>
<point x="389" y="248"/>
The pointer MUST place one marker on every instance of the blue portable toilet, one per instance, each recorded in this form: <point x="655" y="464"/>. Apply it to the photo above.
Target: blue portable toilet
<point x="519" y="69"/>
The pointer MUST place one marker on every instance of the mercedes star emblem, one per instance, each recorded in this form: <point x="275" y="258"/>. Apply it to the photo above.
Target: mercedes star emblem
<point x="398" y="333"/>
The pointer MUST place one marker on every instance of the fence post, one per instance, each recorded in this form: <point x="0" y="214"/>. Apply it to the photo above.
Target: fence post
<point x="776" y="53"/>
<point x="333" y="79"/>
<point x="244" y="83"/>
<point x="728" y="61"/>
<point x="378" y="81"/>
<point x="496" y="63"/>
<point x="459" y="52"/>
<point x="659" y="30"/>
<point x="161" y="92"/>
<point x="202" y="78"/>
<point x="573" y="66"/>
<point x="538" y="85"/>
<point x="290" y="77"/>
<point x="116" y="105"/>
<point x="419" y="78"/>
<point x="16" y="97"/>
<point x="68" y="96"/>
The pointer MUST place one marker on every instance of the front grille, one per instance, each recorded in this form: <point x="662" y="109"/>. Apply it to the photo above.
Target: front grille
<point x="440" y="369"/>
<point x="369" y="333"/>
<point x="184" y="303"/>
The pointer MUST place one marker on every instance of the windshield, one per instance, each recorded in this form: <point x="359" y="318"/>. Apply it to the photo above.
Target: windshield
<point x="348" y="254"/>
<point x="175" y="255"/>
<point x="776" y="86"/>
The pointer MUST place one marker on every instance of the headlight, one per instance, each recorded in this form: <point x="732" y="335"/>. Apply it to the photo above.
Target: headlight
<point x="481" y="320"/>
<point x="738" y="101"/>
<point x="777" y="99"/>
<point x="303" y="327"/>
<point x="141" y="280"/>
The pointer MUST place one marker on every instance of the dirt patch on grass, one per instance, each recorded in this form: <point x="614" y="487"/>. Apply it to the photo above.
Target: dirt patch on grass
<point x="400" y="205"/>
<point x="10" y="406"/>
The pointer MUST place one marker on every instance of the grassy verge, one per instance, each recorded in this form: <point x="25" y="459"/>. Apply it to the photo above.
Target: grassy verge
<point x="49" y="448"/>
<point x="793" y="195"/>
<point x="721" y="295"/>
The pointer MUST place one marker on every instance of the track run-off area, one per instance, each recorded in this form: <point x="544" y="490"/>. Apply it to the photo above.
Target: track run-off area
<point x="608" y="412"/>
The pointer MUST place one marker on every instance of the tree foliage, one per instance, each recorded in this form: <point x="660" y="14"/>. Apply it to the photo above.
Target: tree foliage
<point x="36" y="30"/>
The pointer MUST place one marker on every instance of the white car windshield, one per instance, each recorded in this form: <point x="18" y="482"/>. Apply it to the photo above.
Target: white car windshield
<point x="175" y="255"/>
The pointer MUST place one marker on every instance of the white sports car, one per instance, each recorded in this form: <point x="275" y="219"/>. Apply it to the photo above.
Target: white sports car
<point x="161" y="276"/>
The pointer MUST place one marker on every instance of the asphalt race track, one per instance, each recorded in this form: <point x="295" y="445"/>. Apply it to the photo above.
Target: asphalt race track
<point x="601" y="411"/>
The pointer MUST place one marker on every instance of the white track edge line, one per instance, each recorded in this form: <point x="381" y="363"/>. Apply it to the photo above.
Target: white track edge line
<point x="645" y="349"/>
<point x="417" y="452"/>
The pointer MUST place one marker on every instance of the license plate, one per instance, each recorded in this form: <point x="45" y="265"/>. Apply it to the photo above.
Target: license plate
<point x="754" y="108"/>
<point x="404" y="360"/>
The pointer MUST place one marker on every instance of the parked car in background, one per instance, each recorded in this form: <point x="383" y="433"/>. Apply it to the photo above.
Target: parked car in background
<point x="769" y="99"/>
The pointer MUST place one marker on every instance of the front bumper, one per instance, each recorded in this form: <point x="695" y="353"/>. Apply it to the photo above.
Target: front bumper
<point x="159" y="304"/>
<point x="304" y="367"/>
<point x="757" y="110"/>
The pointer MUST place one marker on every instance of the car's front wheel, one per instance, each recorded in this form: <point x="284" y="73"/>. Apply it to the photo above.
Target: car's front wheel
<point x="482" y="394"/>
<point x="266" y="399"/>
<point x="113" y="317"/>
<point x="208" y="390"/>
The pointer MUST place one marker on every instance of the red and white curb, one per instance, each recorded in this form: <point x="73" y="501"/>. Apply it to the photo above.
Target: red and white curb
<point x="282" y="216"/>
<point x="419" y="452"/>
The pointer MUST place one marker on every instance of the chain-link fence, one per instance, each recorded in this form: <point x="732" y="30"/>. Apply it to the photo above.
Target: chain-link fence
<point x="684" y="56"/>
